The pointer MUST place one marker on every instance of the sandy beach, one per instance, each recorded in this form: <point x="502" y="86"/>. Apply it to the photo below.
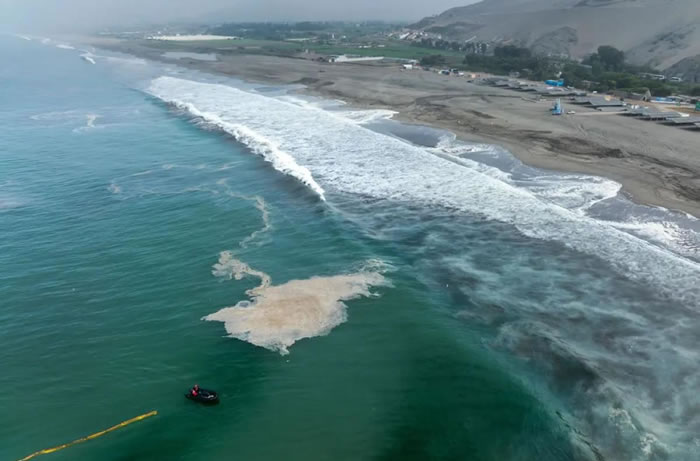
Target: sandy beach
<point x="656" y="164"/>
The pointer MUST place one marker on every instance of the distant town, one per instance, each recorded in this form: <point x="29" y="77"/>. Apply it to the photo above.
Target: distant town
<point x="605" y="71"/>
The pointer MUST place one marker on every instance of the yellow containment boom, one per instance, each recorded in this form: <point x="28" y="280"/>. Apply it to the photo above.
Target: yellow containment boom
<point x="46" y="451"/>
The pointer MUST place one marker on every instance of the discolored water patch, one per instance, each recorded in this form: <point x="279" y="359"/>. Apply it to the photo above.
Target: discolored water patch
<point x="279" y="315"/>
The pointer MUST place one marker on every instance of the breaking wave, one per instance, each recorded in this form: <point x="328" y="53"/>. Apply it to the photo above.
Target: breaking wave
<point x="88" y="57"/>
<point x="361" y="117"/>
<point x="347" y="157"/>
<point x="266" y="147"/>
<point x="277" y="316"/>
<point x="606" y="353"/>
<point x="590" y="197"/>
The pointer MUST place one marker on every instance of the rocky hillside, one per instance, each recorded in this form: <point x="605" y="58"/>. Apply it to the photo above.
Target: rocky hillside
<point x="658" y="32"/>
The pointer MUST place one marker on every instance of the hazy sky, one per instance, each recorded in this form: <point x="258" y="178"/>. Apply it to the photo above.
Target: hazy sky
<point x="81" y="14"/>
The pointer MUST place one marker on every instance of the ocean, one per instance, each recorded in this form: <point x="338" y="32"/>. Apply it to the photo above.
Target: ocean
<point x="353" y="287"/>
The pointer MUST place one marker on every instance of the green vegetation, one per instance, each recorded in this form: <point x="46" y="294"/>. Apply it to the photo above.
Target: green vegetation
<point x="385" y="47"/>
<point x="603" y="71"/>
<point x="340" y="31"/>
<point x="326" y="38"/>
<point x="451" y="47"/>
<point x="607" y="58"/>
<point x="504" y="62"/>
<point x="433" y="60"/>
<point x="512" y="52"/>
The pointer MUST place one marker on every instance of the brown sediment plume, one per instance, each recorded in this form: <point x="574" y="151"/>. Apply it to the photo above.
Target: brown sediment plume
<point x="279" y="315"/>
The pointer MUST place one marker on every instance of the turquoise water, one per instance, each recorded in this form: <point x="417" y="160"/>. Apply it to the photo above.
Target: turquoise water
<point x="482" y="333"/>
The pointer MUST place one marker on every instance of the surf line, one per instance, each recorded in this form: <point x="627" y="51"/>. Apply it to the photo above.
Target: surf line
<point x="46" y="451"/>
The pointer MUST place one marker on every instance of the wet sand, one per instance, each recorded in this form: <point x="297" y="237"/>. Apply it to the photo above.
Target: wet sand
<point x="656" y="164"/>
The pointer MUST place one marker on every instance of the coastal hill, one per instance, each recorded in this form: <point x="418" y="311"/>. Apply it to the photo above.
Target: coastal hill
<point x="660" y="33"/>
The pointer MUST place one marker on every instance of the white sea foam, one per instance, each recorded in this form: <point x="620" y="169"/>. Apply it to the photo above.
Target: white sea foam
<point x="65" y="47"/>
<point x="347" y="157"/>
<point x="363" y="117"/>
<point x="648" y="443"/>
<point x="265" y="147"/>
<point x="581" y="194"/>
<point x="88" y="57"/>
<point x="310" y="101"/>
<point x="265" y="214"/>
<point x="114" y="188"/>
<point x="89" y="123"/>
<point x="71" y="116"/>
<point x="279" y="315"/>
<point x="58" y="116"/>
<point x="665" y="233"/>
<point x="260" y="205"/>
<point x="571" y="191"/>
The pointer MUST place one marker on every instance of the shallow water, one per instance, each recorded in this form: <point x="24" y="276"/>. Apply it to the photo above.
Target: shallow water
<point x="446" y="300"/>
<point x="187" y="55"/>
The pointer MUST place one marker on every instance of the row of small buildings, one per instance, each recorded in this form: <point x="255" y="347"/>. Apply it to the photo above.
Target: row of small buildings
<point x="668" y="117"/>
<point x="604" y="103"/>
<point x="535" y="88"/>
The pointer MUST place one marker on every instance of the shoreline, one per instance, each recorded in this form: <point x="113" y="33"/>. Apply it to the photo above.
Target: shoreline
<point x="656" y="165"/>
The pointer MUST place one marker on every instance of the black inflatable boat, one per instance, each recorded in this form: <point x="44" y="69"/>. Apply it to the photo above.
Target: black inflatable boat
<point x="204" y="396"/>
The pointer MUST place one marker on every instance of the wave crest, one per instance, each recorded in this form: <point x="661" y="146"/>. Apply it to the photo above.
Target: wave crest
<point x="266" y="148"/>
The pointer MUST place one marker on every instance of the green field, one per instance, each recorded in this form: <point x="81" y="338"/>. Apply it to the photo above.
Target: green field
<point x="391" y="49"/>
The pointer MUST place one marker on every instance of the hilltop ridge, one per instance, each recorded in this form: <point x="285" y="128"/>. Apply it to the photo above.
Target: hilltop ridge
<point x="659" y="33"/>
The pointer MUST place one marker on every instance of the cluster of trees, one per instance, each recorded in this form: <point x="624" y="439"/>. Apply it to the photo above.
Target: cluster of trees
<point x="504" y="60"/>
<point x="433" y="60"/>
<point x="603" y="71"/>
<point x="608" y="59"/>
<point x="510" y="58"/>
<point x="512" y="51"/>
<point x="607" y="70"/>
<point x="439" y="44"/>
